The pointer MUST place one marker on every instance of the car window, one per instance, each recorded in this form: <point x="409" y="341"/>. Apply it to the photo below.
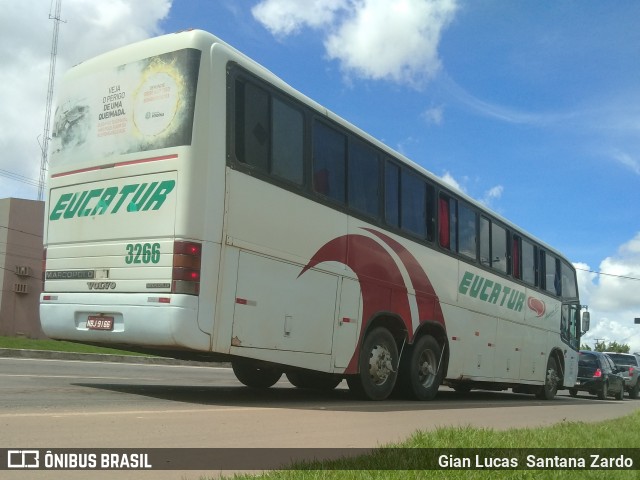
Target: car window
<point x="588" y="360"/>
<point x="610" y="364"/>
<point x="622" y="359"/>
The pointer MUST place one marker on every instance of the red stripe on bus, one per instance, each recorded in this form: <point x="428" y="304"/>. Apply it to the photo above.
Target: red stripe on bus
<point x="145" y="160"/>
<point x="113" y="165"/>
<point x="82" y="170"/>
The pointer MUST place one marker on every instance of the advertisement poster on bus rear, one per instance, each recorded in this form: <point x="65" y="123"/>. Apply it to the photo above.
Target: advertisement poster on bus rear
<point x="135" y="107"/>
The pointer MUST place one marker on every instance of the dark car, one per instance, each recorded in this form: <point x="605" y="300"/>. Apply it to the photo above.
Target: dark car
<point x="598" y="375"/>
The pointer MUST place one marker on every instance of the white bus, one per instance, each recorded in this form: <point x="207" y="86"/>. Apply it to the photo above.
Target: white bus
<point x="198" y="207"/>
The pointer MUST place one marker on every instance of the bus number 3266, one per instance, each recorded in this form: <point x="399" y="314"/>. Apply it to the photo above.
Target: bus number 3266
<point x="142" y="253"/>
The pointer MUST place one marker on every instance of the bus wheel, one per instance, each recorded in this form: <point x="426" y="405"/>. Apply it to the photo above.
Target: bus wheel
<point x="254" y="374"/>
<point x="313" y="380"/>
<point x="420" y="373"/>
<point x="551" y="381"/>
<point x="378" y="363"/>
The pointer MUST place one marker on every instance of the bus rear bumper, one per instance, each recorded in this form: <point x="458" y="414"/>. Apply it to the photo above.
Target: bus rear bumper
<point x="164" y="320"/>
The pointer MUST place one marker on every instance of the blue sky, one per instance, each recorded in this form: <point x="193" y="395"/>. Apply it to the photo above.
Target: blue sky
<point x="531" y="107"/>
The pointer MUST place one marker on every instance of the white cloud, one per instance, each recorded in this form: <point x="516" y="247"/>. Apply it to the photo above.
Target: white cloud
<point x="286" y="17"/>
<point x="627" y="160"/>
<point x="492" y="194"/>
<point x="90" y="28"/>
<point x="451" y="181"/>
<point x="394" y="40"/>
<point x="487" y="199"/>
<point x="506" y="113"/>
<point x="613" y="299"/>
<point x="434" y="115"/>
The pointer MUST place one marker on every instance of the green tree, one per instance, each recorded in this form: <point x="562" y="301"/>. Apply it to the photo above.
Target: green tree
<point x="618" y="347"/>
<point x="614" y="346"/>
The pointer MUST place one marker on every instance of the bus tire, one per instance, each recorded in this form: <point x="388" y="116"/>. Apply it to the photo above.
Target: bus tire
<point x="420" y="372"/>
<point x="551" y="380"/>
<point x="254" y="374"/>
<point x="313" y="380"/>
<point x="378" y="362"/>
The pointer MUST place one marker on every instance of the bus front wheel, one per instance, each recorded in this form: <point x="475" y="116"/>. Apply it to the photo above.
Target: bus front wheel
<point x="551" y="381"/>
<point x="378" y="361"/>
<point x="254" y="374"/>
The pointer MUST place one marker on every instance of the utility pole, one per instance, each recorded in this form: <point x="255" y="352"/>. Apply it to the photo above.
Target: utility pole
<point x="44" y="163"/>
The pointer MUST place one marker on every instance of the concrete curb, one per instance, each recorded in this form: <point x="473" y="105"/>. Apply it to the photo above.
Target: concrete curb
<point x="101" y="357"/>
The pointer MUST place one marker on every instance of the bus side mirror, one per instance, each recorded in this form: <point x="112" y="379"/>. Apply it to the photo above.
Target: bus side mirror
<point x="586" y="320"/>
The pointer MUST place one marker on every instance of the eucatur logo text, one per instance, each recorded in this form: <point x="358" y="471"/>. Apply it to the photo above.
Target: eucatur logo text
<point x="134" y="197"/>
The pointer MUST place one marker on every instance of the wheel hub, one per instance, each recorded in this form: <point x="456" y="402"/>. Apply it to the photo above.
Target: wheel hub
<point x="380" y="366"/>
<point x="426" y="369"/>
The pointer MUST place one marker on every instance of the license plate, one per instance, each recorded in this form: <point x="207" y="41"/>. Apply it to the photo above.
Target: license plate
<point x="99" y="322"/>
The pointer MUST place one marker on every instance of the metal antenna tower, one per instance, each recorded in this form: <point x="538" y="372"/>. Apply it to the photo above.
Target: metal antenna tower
<point x="44" y="163"/>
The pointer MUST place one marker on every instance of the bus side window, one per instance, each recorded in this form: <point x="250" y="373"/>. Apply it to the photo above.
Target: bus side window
<point x="493" y="245"/>
<point x="467" y="231"/>
<point x="515" y="257"/>
<point x="498" y="248"/>
<point x="413" y="204"/>
<point x="363" y="180"/>
<point x="446" y="235"/>
<point x="287" y="142"/>
<point x="528" y="253"/>
<point x="252" y="125"/>
<point x="329" y="162"/>
<point x="551" y="273"/>
<point x="569" y="284"/>
<point x="431" y="205"/>
<point x="392" y="194"/>
<point x="485" y="241"/>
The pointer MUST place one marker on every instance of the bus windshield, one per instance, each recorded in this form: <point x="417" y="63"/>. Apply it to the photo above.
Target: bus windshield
<point x="139" y="106"/>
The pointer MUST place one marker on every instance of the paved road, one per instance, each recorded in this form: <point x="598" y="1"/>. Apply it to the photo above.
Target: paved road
<point x="58" y="404"/>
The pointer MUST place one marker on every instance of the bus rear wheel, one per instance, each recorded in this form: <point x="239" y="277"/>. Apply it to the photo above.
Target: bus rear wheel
<point x="255" y="374"/>
<point x="313" y="380"/>
<point x="378" y="361"/>
<point x="420" y="371"/>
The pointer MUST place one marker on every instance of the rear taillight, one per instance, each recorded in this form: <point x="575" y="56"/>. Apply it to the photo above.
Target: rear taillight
<point x="185" y="277"/>
<point x="630" y="371"/>
<point x="598" y="373"/>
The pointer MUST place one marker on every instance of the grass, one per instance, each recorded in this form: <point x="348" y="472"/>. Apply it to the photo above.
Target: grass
<point x="57" y="345"/>
<point x="404" y="461"/>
